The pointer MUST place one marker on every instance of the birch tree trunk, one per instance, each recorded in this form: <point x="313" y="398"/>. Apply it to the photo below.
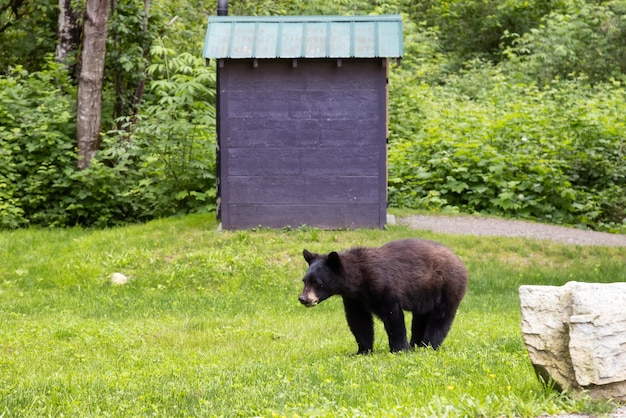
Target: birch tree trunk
<point x="89" y="106"/>
<point x="68" y="31"/>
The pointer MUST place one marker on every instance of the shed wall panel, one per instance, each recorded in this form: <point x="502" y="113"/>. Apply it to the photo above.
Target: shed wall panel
<point x="306" y="136"/>
<point x="264" y="162"/>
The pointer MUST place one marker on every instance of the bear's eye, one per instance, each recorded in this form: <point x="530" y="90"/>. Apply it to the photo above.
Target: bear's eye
<point x="316" y="283"/>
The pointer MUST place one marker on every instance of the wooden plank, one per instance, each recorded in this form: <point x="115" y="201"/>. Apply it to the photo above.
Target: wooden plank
<point x="281" y="104"/>
<point x="341" y="190"/>
<point x="264" y="162"/>
<point x="273" y="133"/>
<point x="223" y="129"/>
<point x="329" y="161"/>
<point x="246" y="216"/>
<point x="266" y="190"/>
<point x="299" y="190"/>
<point x="307" y="162"/>
<point x="280" y="74"/>
<point x="350" y="133"/>
<point x="382" y="131"/>
<point x="257" y="105"/>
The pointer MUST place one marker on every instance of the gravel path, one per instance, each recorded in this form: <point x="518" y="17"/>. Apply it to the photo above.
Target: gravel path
<point x="472" y="225"/>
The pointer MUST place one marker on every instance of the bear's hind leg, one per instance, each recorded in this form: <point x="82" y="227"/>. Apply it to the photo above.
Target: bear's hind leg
<point x="361" y="324"/>
<point x="436" y="330"/>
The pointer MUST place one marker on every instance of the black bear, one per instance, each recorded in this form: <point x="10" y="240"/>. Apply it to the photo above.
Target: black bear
<point x="415" y="275"/>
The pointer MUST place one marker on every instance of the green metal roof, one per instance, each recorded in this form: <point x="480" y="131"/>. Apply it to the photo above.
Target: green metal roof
<point x="304" y="37"/>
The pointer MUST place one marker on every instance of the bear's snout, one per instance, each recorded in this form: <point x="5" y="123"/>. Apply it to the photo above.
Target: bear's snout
<point x="308" y="299"/>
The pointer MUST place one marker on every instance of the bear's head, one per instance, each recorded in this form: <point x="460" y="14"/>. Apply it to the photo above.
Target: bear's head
<point x="321" y="278"/>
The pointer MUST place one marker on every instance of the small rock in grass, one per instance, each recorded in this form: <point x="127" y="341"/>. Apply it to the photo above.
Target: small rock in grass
<point x="118" y="279"/>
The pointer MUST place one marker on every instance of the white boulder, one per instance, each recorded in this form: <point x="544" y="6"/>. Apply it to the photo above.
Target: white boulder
<point x="576" y="335"/>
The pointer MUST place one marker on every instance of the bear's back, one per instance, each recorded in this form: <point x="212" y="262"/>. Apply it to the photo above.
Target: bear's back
<point x="419" y="272"/>
<point x="417" y="253"/>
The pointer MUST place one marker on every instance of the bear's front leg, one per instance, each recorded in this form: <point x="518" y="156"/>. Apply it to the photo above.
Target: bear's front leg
<point x="417" y="330"/>
<point x="361" y="324"/>
<point x="393" y="319"/>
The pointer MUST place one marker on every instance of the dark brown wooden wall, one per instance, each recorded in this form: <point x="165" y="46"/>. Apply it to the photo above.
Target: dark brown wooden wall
<point x="303" y="145"/>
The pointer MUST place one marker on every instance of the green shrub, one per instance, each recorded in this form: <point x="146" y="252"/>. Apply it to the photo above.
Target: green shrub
<point x="182" y="163"/>
<point x="36" y="146"/>
<point x="484" y="143"/>
<point x="160" y="163"/>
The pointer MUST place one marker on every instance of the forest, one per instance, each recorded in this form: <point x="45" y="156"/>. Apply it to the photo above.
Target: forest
<point x="512" y="108"/>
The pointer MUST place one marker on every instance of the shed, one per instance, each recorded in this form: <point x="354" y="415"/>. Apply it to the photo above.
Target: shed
<point x="302" y="118"/>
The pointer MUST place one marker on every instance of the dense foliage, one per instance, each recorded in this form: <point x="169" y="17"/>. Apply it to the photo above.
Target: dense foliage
<point x="500" y="107"/>
<point x="484" y="143"/>
<point x="160" y="166"/>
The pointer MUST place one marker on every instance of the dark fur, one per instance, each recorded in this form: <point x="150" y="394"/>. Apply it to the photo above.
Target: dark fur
<point x="420" y="276"/>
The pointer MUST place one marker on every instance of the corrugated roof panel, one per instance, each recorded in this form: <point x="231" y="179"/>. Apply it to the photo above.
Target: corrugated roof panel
<point x="365" y="40"/>
<point x="242" y="40"/>
<point x="315" y="40"/>
<point x="266" y="41"/>
<point x="304" y="37"/>
<point x="339" y="41"/>
<point x="219" y="33"/>
<point x="390" y="36"/>
<point x="290" y="41"/>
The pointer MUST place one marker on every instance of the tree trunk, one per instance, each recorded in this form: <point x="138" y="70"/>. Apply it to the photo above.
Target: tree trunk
<point x="68" y="31"/>
<point x="89" y="107"/>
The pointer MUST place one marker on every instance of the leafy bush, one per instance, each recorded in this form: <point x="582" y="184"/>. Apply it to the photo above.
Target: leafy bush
<point x="484" y="143"/>
<point x="181" y="168"/>
<point x="36" y="149"/>
<point x="162" y="163"/>
<point x="28" y="32"/>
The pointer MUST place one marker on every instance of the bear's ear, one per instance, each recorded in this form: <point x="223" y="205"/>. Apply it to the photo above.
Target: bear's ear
<point x="334" y="262"/>
<point x="309" y="256"/>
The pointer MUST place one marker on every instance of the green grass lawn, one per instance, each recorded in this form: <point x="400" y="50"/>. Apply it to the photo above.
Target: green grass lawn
<point x="210" y="325"/>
